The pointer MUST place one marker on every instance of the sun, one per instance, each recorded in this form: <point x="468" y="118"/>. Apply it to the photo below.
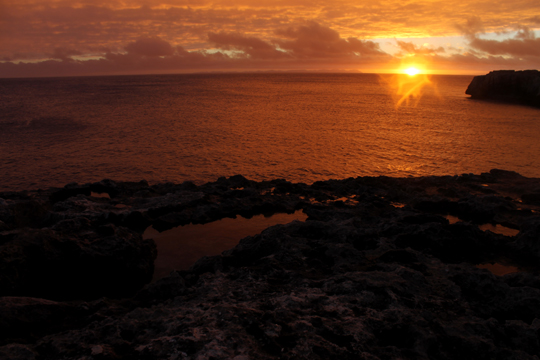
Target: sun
<point x="411" y="71"/>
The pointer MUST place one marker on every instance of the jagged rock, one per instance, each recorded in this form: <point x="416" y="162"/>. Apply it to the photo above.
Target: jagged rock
<point x="378" y="271"/>
<point x="507" y="85"/>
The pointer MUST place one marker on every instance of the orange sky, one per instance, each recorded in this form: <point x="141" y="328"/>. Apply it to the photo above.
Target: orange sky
<point x="61" y="37"/>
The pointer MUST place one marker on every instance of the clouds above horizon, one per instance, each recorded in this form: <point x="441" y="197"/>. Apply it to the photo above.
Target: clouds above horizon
<point x="523" y="44"/>
<point x="92" y="35"/>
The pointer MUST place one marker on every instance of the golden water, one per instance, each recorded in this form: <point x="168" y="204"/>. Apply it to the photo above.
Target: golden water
<point x="302" y="127"/>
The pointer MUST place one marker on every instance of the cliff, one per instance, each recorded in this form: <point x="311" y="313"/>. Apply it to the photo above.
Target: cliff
<point x="508" y="86"/>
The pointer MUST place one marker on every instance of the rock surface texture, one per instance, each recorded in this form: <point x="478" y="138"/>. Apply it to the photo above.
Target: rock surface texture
<point x="508" y="86"/>
<point x="384" y="268"/>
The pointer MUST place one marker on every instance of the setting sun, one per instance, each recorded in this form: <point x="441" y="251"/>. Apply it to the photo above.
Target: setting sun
<point x="411" y="71"/>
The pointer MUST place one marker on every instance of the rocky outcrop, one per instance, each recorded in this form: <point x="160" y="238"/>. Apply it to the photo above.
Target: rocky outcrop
<point x="378" y="271"/>
<point x="508" y="86"/>
<point x="73" y="260"/>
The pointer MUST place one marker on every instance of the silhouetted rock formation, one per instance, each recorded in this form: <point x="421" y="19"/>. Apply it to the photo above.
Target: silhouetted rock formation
<point x="508" y="86"/>
<point x="376" y="272"/>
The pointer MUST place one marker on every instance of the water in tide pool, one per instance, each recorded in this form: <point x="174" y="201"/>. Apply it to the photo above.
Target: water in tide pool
<point x="302" y="127"/>
<point x="179" y="248"/>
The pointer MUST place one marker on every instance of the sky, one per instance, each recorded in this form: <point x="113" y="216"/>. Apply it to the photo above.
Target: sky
<point x="108" y="37"/>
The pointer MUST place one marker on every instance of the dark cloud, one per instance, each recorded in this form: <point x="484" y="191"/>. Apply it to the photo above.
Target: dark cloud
<point x="315" y="41"/>
<point x="524" y="43"/>
<point x="535" y="20"/>
<point x="150" y="46"/>
<point x="511" y="47"/>
<point x="250" y="46"/>
<point x="64" y="54"/>
<point x="472" y="27"/>
<point x="308" y="42"/>
<point x="324" y="49"/>
<point x="480" y="62"/>
<point x="152" y="35"/>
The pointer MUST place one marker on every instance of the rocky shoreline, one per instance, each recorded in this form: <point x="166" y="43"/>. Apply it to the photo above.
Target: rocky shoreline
<point x="383" y="268"/>
<point x="507" y="86"/>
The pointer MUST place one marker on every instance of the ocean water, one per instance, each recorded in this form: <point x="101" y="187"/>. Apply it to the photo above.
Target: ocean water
<point x="302" y="127"/>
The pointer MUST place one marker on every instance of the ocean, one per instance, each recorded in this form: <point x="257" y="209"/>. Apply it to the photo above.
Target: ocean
<point x="302" y="127"/>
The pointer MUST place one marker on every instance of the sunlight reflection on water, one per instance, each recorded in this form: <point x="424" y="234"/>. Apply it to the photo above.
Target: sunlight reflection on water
<point x="406" y="88"/>
<point x="302" y="127"/>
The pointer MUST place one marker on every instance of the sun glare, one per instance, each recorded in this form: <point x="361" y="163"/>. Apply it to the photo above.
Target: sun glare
<point x="410" y="82"/>
<point x="411" y="71"/>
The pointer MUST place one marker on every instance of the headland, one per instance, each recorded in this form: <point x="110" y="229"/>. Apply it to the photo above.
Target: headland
<point x="507" y="86"/>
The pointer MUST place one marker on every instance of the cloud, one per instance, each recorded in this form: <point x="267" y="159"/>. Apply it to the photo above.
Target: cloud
<point x="511" y="47"/>
<point x="64" y="54"/>
<point x="301" y="47"/>
<point x="524" y="43"/>
<point x="481" y="63"/>
<point x="535" y="20"/>
<point x="472" y="27"/>
<point x="250" y="46"/>
<point x="150" y="46"/>
<point x="245" y="33"/>
<point x="311" y="41"/>
<point x="316" y="41"/>
<point x="411" y="49"/>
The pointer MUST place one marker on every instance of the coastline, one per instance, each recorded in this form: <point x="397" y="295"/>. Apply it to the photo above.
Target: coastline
<point x="380" y="269"/>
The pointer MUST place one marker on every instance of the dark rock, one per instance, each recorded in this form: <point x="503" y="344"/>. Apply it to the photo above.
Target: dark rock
<point x="528" y="239"/>
<point x="376" y="272"/>
<point x="73" y="262"/>
<point x="424" y="219"/>
<point x="17" y="352"/>
<point x="69" y="191"/>
<point x="499" y="173"/>
<point x="507" y="85"/>
<point x="25" y="319"/>
<point x="399" y="256"/>
<point x="170" y="220"/>
<point x="163" y="289"/>
<point x="136" y="220"/>
<point x="26" y="213"/>
<point x="106" y="186"/>
<point x="531" y="198"/>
